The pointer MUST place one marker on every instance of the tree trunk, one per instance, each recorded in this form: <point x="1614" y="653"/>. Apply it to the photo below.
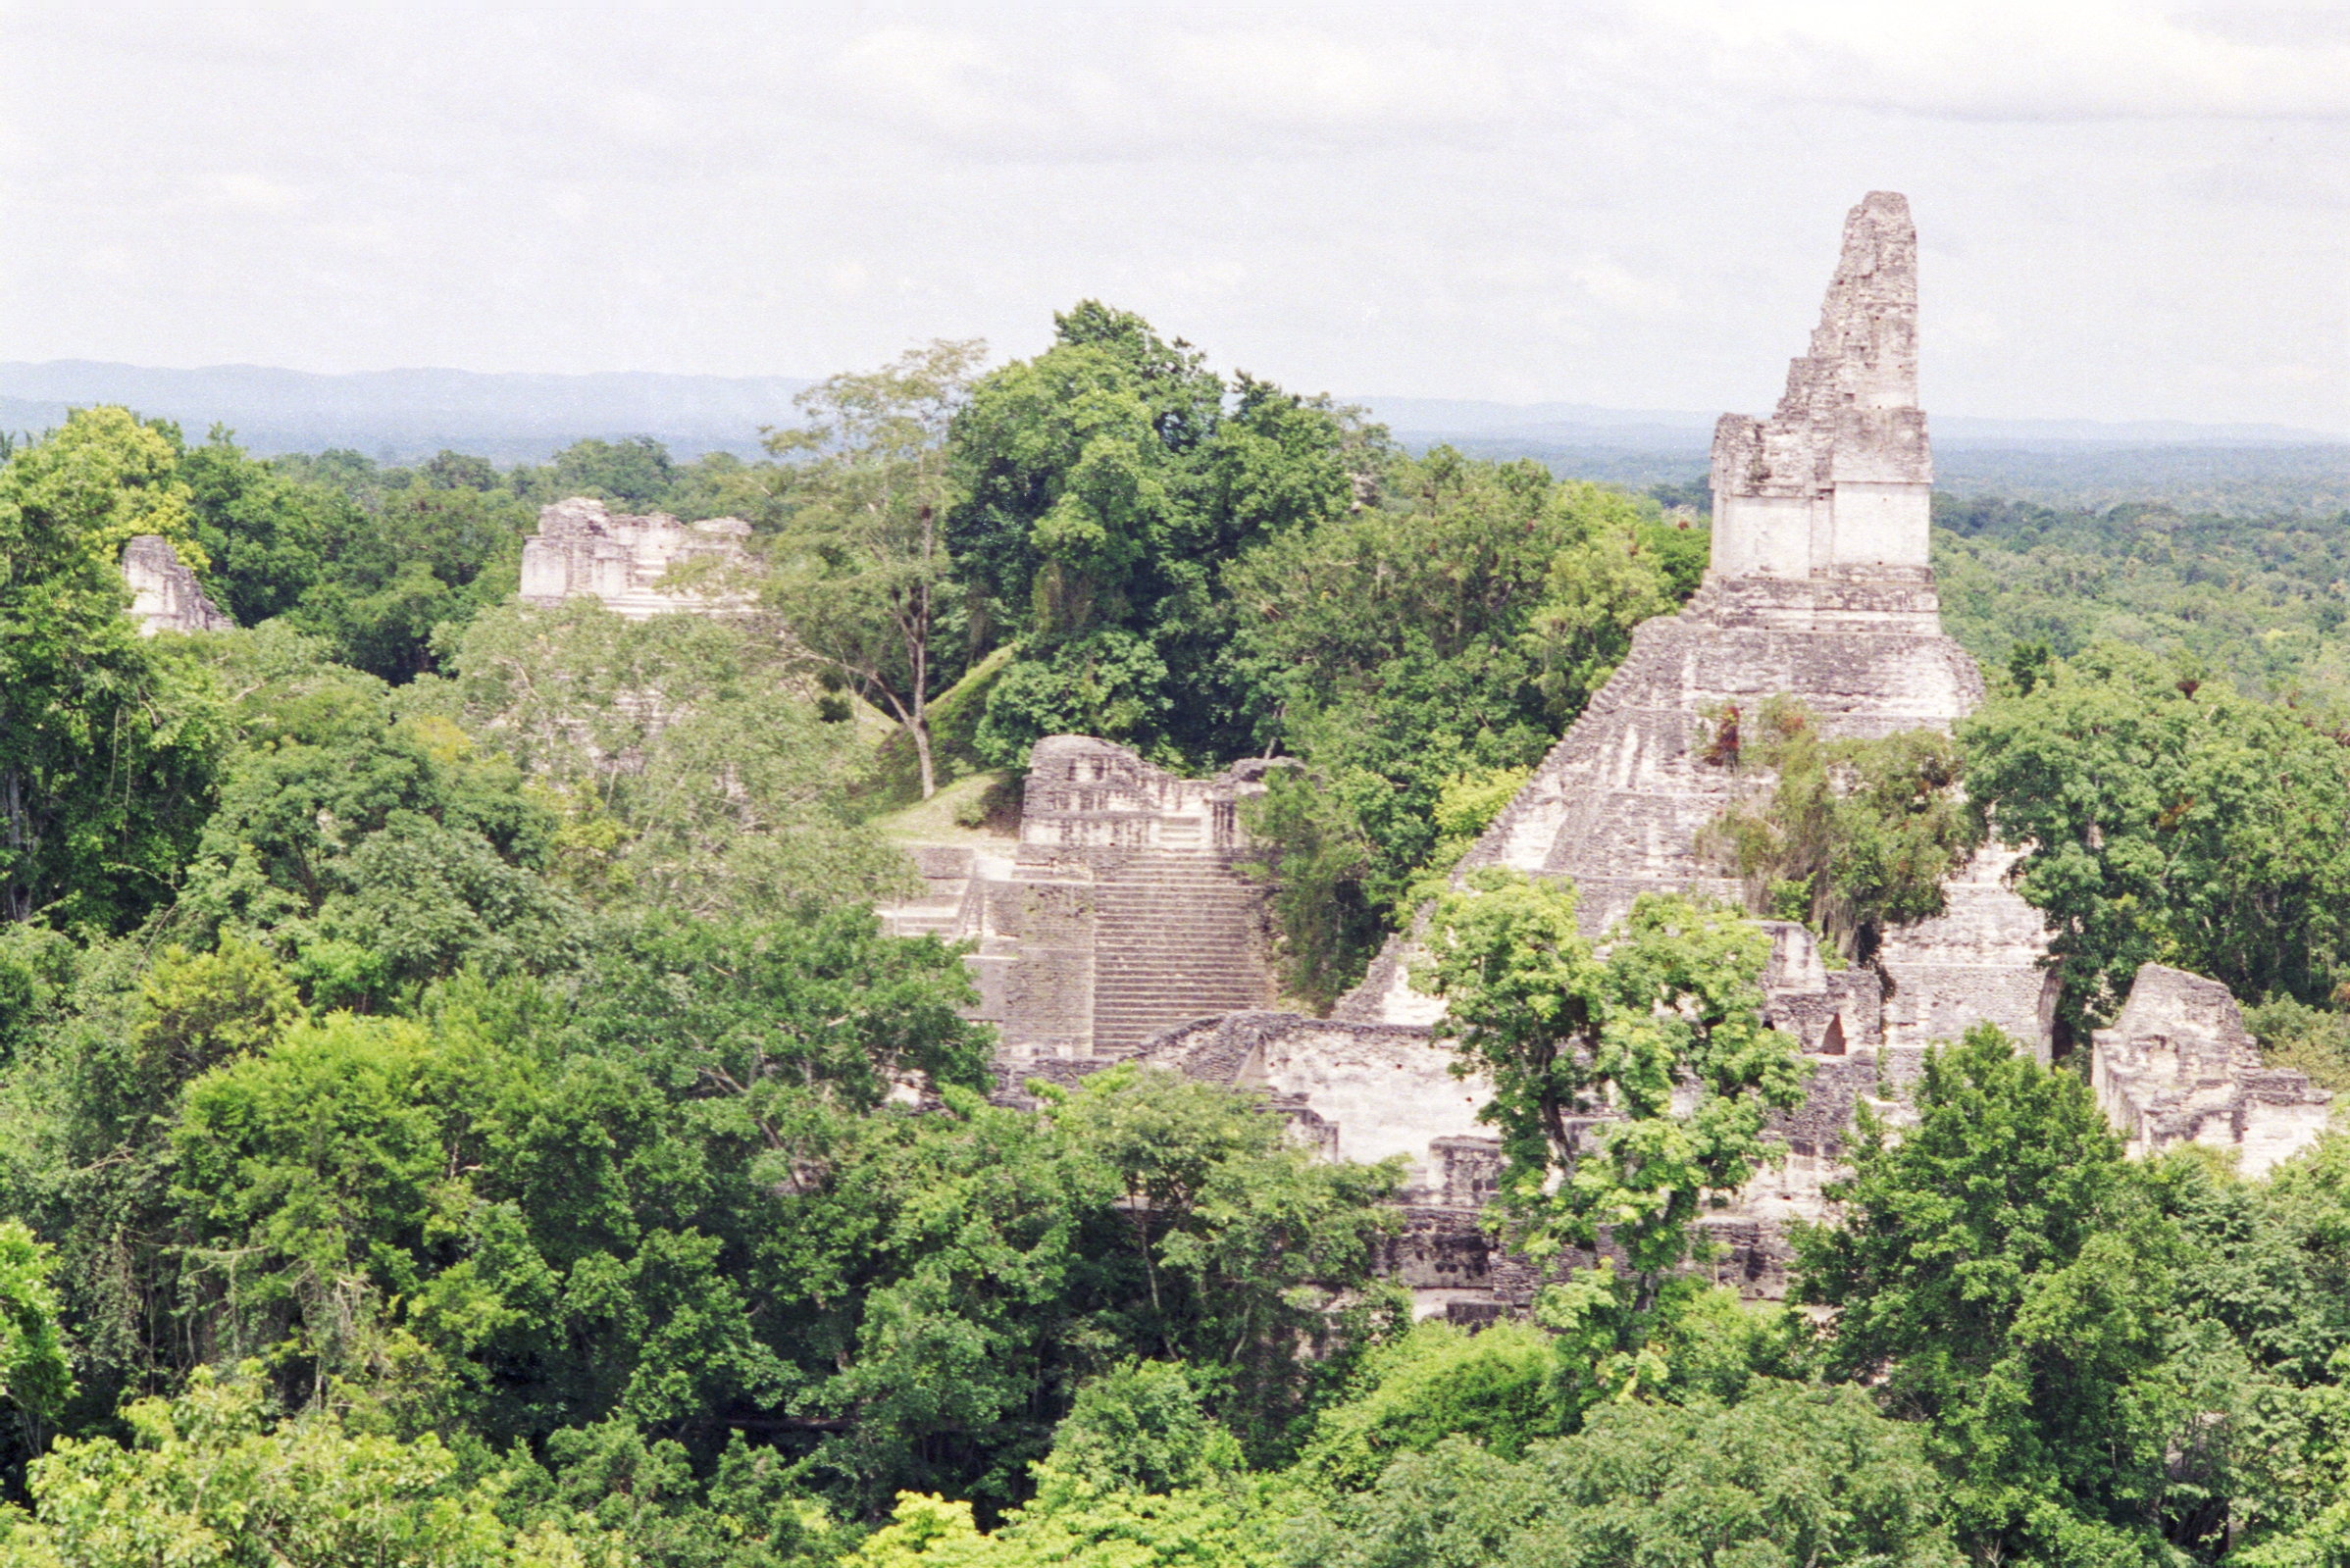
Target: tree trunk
<point x="921" y="732"/>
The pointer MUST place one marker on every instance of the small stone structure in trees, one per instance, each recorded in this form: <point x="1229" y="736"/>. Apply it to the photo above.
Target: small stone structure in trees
<point x="165" y="594"/>
<point x="2178" y="1066"/>
<point x="585" y="550"/>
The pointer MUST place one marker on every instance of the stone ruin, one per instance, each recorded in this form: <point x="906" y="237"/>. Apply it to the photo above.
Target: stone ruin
<point x="1119" y="913"/>
<point x="165" y="594"/>
<point x="2178" y="1066"/>
<point x="1119" y="928"/>
<point x="584" y="549"/>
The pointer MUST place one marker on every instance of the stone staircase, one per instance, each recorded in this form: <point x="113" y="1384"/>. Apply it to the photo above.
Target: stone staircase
<point x="947" y="871"/>
<point x="1176" y="938"/>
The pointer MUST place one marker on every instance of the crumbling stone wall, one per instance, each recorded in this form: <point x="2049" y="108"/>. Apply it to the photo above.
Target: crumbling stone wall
<point x="2178" y="1066"/>
<point x="584" y="549"/>
<point x="165" y="594"/>
<point x="1119" y="913"/>
<point x="1820" y="589"/>
<point x="1840" y="476"/>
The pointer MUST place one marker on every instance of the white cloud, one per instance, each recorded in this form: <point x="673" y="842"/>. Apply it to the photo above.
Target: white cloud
<point x="2039" y="60"/>
<point x="2126" y="212"/>
<point x="1300" y="78"/>
<point x="242" y="192"/>
<point x="1620" y="288"/>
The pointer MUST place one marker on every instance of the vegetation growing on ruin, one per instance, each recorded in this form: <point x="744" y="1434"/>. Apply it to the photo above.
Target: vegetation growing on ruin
<point x="457" y="1105"/>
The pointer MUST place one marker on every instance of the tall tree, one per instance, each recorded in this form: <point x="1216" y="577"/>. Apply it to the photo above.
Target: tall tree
<point x="2168" y="820"/>
<point x="106" y="740"/>
<point x="1999" y="1275"/>
<point x="1625" y="1087"/>
<point x="1102" y="485"/>
<point x="862" y="569"/>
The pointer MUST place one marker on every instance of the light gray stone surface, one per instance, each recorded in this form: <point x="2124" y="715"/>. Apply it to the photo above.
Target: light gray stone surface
<point x="165" y="594"/>
<point x="2178" y="1066"/>
<point x="584" y="549"/>
<point x="1841" y="474"/>
<point x="1820" y="589"/>
<point x="1118" y="913"/>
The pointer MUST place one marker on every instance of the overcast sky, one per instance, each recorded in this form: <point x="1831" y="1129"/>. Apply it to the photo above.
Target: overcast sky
<point x="2125" y="211"/>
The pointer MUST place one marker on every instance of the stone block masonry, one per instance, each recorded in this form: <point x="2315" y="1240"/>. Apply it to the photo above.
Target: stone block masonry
<point x="1121" y="928"/>
<point x="2178" y="1066"/>
<point x="165" y="594"/>
<point x="1841" y="474"/>
<point x="1119" y="913"/>
<point x="585" y="550"/>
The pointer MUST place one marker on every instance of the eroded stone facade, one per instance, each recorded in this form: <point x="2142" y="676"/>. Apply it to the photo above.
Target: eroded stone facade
<point x="584" y="549"/>
<point x="1841" y="474"/>
<point x="1818" y="590"/>
<point x="1119" y="913"/>
<point x="165" y="594"/>
<point x="2178" y="1066"/>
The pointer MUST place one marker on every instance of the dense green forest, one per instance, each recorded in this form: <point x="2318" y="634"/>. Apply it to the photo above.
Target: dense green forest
<point x="457" y="1105"/>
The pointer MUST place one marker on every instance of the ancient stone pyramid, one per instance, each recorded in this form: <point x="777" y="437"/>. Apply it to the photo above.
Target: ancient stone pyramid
<point x="1819" y="588"/>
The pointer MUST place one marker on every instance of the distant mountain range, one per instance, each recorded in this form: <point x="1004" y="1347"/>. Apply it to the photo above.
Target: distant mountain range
<point x="1580" y="425"/>
<point x="399" y="416"/>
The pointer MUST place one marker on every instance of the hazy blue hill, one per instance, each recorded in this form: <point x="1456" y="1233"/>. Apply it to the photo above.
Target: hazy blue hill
<point x="405" y="413"/>
<point x="2229" y="469"/>
<point x="399" y="416"/>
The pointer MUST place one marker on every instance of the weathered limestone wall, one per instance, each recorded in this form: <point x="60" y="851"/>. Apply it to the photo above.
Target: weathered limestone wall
<point x="582" y="549"/>
<point x="1119" y="912"/>
<point x="1841" y="474"/>
<point x="1118" y="927"/>
<point x="1620" y="804"/>
<point x="165" y="595"/>
<point x="1820" y="589"/>
<point x="2178" y="1066"/>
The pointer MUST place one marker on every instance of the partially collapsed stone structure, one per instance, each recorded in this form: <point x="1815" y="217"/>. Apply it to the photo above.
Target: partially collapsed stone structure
<point x="2178" y="1066"/>
<point x="584" y="549"/>
<point x="165" y="594"/>
<point x="1840" y="476"/>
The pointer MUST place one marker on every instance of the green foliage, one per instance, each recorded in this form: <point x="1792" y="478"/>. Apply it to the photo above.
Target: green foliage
<point x="1587" y="1056"/>
<point x="2257" y="600"/>
<point x="532" y="1216"/>
<point x="861" y="564"/>
<point x="107" y="742"/>
<point x="1498" y="1387"/>
<point x="401" y="553"/>
<point x="1850" y="836"/>
<point x="2000" y="1277"/>
<point x="1103" y="484"/>
<point x="371" y="851"/>
<point x="35" y="1375"/>
<point x="2309" y="1040"/>
<point x="1140" y="1427"/>
<point x="269" y="537"/>
<point x="1113" y="683"/>
<point x="211" y="1481"/>
<point x="1311" y="847"/>
<point x="687" y="763"/>
<point x="1430" y="646"/>
<point x="2168" y="820"/>
<point x="1786" y="1478"/>
<point x="635" y="474"/>
<point x="203" y="1009"/>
